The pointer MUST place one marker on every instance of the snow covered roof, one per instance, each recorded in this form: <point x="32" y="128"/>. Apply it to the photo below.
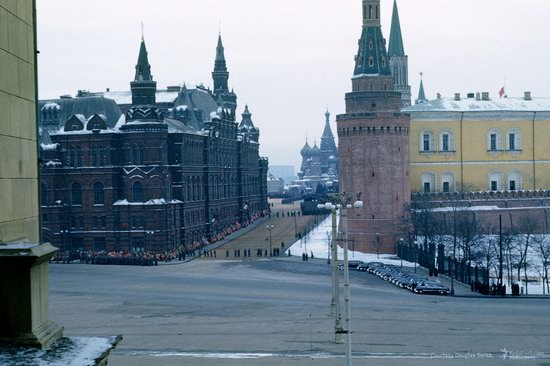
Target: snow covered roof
<point x="125" y="97"/>
<point x="152" y="202"/>
<point x="474" y="105"/>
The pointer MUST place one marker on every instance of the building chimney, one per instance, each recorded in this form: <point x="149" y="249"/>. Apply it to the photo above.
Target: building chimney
<point x="471" y="95"/>
<point x="527" y="95"/>
<point x="108" y="90"/>
<point x="457" y="96"/>
<point x="478" y="96"/>
<point x="485" y="96"/>
<point x="438" y="95"/>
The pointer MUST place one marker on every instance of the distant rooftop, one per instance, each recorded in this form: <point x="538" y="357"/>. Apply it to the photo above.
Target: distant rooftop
<point x="464" y="104"/>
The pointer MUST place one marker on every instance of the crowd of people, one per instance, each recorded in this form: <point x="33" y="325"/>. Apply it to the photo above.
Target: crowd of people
<point x="140" y="257"/>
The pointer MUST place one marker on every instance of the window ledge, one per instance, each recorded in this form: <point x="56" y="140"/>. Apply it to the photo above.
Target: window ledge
<point x="431" y="152"/>
<point x="447" y="152"/>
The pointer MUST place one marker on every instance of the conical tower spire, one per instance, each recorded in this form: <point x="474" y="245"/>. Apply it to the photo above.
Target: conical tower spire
<point x="399" y="63"/>
<point x="220" y="75"/>
<point x="143" y="68"/>
<point x="396" y="38"/>
<point x="144" y="88"/>
<point x="421" y="93"/>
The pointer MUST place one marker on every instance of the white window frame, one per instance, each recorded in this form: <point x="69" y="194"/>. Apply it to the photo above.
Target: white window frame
<point x="450" y="141"/>
<point x="517" y="139"/>
<point x="498" y="139"/>
<point x="495" y="176"/>
<point x="428" y="178"/>
<point x="448" y="177"/>
<point x="516" y="176"/>
<point x="430" y="141"/>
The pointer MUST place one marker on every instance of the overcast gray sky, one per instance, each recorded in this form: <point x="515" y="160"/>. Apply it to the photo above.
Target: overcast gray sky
<point x="290" y="59"/>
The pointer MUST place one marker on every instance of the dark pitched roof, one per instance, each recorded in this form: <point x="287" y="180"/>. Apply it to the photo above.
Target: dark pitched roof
<point x="396" y="38"/>
<point x="421" y="93"/>
<point x="197" y="100"/>
<point x="372" y="58"/>
<point x="143" y="68"/>
<point x="86" y="106"/>
<point x="246" y="122"/>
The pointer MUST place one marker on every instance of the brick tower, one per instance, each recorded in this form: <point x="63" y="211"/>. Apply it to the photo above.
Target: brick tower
<point x="374" y="143"/>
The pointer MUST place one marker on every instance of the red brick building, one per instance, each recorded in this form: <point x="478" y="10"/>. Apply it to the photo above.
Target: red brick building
<point x="374" y="143"/>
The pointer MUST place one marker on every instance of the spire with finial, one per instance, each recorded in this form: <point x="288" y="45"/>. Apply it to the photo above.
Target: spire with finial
<point x="396" y="38"/>
<point x="220" y="75"/>
<point x="421" y="93"/>
<point x="143" y="86"/>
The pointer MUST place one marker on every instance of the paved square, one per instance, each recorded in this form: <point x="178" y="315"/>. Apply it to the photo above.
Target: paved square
<point x="276" y="312"/>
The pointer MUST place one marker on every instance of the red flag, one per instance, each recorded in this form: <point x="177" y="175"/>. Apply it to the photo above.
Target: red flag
<point x="501" y="92"/>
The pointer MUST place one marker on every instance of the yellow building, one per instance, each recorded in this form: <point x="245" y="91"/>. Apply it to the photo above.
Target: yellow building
<point x="19" y="218"/>
<point x="480" y="144"/>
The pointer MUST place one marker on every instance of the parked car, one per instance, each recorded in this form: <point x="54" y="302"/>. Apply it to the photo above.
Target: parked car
<point x="351" y="264"/>
<point x="431" y="287"/>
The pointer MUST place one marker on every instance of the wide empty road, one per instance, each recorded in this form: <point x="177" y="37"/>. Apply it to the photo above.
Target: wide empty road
<point x="276" y="312"/>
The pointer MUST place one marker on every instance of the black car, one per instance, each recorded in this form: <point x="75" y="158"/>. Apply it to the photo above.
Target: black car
<point x="351" y="264"/>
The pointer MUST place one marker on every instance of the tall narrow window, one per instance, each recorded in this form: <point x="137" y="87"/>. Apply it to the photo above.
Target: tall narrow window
<point x="101" y="156"/>
<point x="426" y="142"/>
<point x="446" y="187"/>
<point x="513" y="185"/>
<point x="99" y="194"/>
<point x="137" y="192"/>
<point x="445" y="142"/>
<point x="94" y="156"/>
<point x="43" y="194"/>
<point x="494" y="185"/>
<point x="72" y="156"/>
<point x="78" y="156"/>
<point x="512" y="141"/>
<point x="493" y="141"/>
<point x="370" y="11"/>
<point x="76" y="194"/>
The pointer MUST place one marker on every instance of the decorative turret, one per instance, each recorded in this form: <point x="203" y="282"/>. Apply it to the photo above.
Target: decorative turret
<point x="220" y="75"/>
<point x="372" y="66"/>
<point x="315" y="151"/>
<point x="421" y="93"/>
<point x="399" y="63"/>
<point x="305" y="150"/>
<point x="247" y="125"/>
<point x="328" y="145"/>
<point x="144" y="90"/>
<point x="143" y="87"/>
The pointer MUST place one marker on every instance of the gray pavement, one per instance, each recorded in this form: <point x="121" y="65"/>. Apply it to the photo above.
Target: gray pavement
<point x="276" y="312"/>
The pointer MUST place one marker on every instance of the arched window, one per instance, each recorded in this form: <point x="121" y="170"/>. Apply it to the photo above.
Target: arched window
<point x="371" y="61"/>
<point x="427" y="141"/>
<point x="135" y="155"/>
<point x="495" y="181"/>
<point x="72" y="156"/>
<point x="446" y="141"/>
<point x="99" y="194"/>
<point x="448" y="182"/>
<point x="428" y="182"/>
<point x="515" y="182"/>
<point x="514" y="139"/>
<point x="494" y="140"/>
<point x="137" y="192"/>
<point x="370" y="11"/>
<point x="141" y="155"/>
<point x="76" y="194"/>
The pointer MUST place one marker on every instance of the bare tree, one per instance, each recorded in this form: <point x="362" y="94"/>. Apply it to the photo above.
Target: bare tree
<point x="527" y="227"/>
<point x="541" y="245"/>
<point x="486" y="250"/>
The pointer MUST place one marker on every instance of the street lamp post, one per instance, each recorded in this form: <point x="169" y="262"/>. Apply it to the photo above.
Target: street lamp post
<point x="343" y="201"/>
<point x="328" y="247"/>
<point x="270" y="227"/>
<point x="401" y="251"/>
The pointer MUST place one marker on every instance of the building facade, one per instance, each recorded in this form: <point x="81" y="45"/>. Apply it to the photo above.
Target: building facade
<point x="158" y="171"/>
<point x="476" y="143"/>
<point x="374" y="142"/>
<point x="19" y="216"/>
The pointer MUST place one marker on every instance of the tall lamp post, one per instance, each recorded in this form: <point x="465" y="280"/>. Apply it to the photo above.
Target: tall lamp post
<point x="344" y="202"/>
<point x="401" y="251"/>
<point x="270" y="227"/>
<point x="335" y="302"/>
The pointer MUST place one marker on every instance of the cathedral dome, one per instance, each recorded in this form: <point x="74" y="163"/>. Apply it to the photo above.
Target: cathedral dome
<point x="315" y="151"/>
<point x="306" y="150"/>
